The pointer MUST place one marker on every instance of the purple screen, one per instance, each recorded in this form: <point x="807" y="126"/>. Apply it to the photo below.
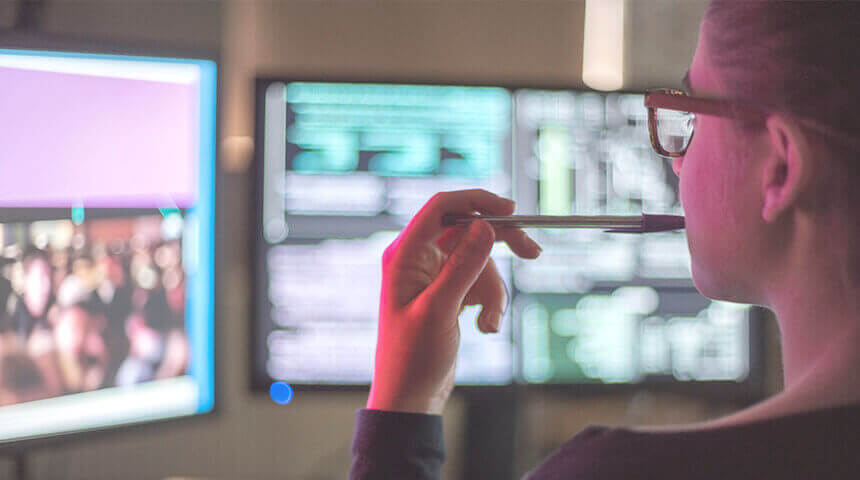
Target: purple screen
<point x="70" y="139"/>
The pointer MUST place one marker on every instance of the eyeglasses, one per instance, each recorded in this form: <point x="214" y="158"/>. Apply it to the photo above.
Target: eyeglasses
<point x="671" y="114"/>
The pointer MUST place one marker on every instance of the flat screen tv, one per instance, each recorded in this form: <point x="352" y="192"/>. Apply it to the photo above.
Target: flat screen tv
<point x="107" y="221"/>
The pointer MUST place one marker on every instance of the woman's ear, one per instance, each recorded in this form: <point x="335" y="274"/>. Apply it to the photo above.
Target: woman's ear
<point x="786" y="168"/>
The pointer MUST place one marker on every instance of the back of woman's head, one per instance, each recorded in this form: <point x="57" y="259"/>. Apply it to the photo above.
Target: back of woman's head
<point x="801" y="58"/>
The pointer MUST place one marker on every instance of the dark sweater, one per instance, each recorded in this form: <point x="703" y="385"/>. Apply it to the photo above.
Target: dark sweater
<point x="823" y="444"/>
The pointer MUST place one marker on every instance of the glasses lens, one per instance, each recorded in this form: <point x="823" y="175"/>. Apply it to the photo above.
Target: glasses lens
<point x="674" y="129"/>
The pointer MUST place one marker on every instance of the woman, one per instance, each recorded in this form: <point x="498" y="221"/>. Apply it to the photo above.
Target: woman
<point x="768" y="185"/>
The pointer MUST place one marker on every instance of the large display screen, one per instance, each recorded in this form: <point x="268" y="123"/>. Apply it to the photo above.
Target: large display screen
<point x="341" y="167"/>
<point x="602" y="307"/>
<point x="106" y="240"/>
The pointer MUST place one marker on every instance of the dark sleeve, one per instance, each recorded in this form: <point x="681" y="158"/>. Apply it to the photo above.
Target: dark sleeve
<point x="389" y="445"/>
<point x="579" y="458"/>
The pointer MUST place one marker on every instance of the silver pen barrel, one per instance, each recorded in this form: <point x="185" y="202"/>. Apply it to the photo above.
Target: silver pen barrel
<point x="549" y="221"/>
<point x="644" y="223"/>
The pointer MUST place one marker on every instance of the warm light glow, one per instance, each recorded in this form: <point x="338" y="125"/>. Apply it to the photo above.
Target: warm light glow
<point x="603" y="45"/>
<point x="237" y="151"/>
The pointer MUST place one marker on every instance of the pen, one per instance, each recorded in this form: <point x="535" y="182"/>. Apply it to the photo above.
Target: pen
<point x="644" y="223"/>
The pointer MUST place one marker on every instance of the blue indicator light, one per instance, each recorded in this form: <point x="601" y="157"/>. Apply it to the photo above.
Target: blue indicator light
<point x="281" y="393"/>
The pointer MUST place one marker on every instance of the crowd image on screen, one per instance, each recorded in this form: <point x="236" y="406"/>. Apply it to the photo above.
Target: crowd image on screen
<point x="90" y="306"/>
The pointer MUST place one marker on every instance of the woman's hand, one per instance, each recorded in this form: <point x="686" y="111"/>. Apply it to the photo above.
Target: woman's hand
<point x="429" y="274"/>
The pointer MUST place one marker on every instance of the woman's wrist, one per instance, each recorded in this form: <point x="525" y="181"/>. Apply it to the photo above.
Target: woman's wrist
<point x="431" y="405"/>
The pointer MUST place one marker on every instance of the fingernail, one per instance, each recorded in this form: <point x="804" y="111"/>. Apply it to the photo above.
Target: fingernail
<point x="482" y="321"/>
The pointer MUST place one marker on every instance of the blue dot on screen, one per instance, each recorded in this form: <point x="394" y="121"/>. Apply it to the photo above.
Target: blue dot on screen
<point x="281" y="393"/>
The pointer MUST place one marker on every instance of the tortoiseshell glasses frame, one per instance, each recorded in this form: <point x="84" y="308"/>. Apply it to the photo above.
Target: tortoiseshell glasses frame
<point x="677" y="100"/>
<point x="680" y="101"/>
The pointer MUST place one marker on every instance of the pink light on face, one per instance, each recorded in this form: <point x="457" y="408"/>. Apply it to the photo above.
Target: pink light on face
<point x="719" y="194"/>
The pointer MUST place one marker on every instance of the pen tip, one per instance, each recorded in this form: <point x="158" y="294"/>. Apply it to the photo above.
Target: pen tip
<point x="660" y="223"/>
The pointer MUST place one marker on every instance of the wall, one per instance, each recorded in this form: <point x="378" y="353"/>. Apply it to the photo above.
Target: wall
<point x="661" y="40"/>
<point x="512" y="41"/>
<point x="8" y="11"/>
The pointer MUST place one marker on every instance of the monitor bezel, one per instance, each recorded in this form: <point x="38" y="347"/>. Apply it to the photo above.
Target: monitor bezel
<point x="747" y="391"/>
<point x="44" y="42"/>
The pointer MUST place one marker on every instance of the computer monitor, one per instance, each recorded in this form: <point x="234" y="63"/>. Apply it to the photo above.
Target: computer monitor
<point x="607" y="308"/>
<point x="341" y="167"/>
<point x="107" y="220"/>
<point x="340" y="170"/>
